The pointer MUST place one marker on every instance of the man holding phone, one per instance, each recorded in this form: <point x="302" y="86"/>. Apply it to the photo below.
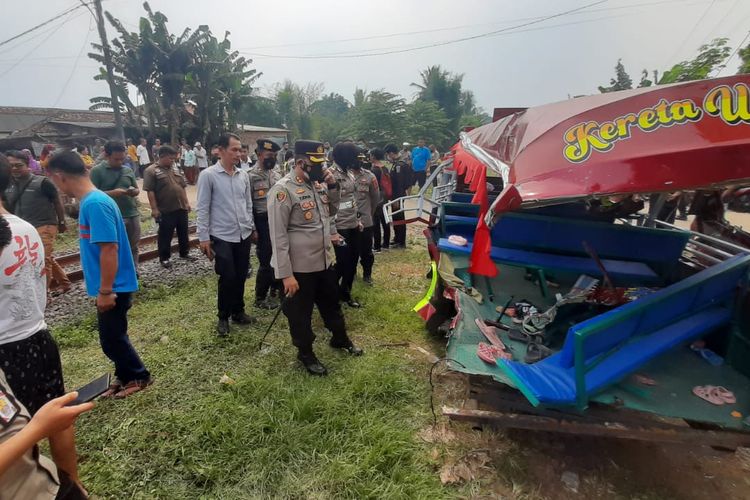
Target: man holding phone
<point x="108" y="270"/>
<point x="118" y="181"/>
<point x="226" y="229"/>
<point x="300" y="209"/>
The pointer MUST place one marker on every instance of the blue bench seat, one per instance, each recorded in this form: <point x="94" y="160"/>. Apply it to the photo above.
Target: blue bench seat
<point x="603" y="350"/>
<point x="628" y="272"/>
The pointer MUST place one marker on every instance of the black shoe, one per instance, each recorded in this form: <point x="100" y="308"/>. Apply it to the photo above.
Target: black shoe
<point x="350" y="348"/>
<point x="267" y="303"/>
<point x="368" y="280"/>
<point x="243" y="319"/>
<point x="353" y="304"/>
<point x="222" y="328"/>
<point x="166" y="264"/>
<point x="376" y="250"/>
<point x="312" y="365"/>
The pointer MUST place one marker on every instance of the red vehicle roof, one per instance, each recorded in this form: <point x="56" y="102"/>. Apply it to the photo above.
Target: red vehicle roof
<point x="663" y="138"/>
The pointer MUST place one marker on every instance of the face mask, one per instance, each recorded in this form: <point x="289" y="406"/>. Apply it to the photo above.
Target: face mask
<point x="316" y="172"/>
<point x="269" y="163"/>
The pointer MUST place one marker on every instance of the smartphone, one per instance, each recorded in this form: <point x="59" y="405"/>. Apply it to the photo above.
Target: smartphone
<point x="92" y="390"/>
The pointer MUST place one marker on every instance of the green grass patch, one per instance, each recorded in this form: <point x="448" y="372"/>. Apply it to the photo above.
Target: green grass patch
<point x="276" y="432"/>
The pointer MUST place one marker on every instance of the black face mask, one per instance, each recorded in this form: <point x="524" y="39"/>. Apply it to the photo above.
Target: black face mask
<point x="269" y="163"/>
<point x="315" y="171"/>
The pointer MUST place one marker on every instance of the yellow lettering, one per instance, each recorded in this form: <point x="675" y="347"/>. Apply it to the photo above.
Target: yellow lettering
<point x="661" y="112"/>
<point x="683" y="111"/>
<point x="729" y="104"/>
<point x="608" y="131"/>
<point x="647" y="120"/>
<point x="581" y="139"/>
<point x="623" y="125"/>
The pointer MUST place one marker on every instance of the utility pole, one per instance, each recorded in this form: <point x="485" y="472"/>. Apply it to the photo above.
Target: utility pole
<point x="119" y="131"/>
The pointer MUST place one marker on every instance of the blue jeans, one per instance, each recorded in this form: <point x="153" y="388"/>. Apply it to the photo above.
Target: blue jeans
<point x="113" y="337"/>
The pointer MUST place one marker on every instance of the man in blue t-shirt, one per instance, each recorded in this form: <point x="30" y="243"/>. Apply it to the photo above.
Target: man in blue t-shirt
<point x="108" y="270"/>
<point x="420" y="156"/>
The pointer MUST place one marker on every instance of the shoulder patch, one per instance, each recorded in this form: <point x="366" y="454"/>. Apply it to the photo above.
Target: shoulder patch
<point x="8" y="409"/>
<point x="281" y="195"/>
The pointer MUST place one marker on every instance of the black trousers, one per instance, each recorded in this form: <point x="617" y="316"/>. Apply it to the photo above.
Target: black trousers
<point x="231" y="262"/>
<point x="265" y="279"/>
<point x="346" y="262"/>
<point x="420" y="178"/>
<point x="169" y="222"/>
<point x="399" y="232"/>
<point x="366" y="257"/>
<point x="381" y="230"/>
<point x="113" y="337"/>
<point x="317" y="289"/>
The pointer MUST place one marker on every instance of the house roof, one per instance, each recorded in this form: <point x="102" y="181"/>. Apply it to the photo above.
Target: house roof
<point x="14" y="118"/>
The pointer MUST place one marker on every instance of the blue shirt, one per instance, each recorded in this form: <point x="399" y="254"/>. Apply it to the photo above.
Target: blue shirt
<point x="100" y="222"/>
<point x="419" y="158"/>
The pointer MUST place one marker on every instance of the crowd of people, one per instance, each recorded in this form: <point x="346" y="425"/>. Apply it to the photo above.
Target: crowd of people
<point x="313" y="212"/>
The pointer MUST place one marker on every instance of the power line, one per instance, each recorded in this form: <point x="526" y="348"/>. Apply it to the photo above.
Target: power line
<point x="34" y="28"/>
<point x="438" y="44"/>
<point x="57" y="28"/>
<point x="507" y="33"/>
<point x="451" y="28"/>
<point x="75" y="65"/>
<point x="49" y="27"/>
<point x="736" y="49"/>
<point x="690" y="33"/>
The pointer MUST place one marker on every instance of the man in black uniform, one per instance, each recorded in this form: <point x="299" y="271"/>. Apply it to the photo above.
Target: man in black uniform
<point x="300" y="208"/>
<point x="263" y="176"/>
<point x="401" y="180"/>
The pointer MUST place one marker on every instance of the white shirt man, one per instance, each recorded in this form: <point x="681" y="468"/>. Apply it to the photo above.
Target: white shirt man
<point x="201" y="156"/>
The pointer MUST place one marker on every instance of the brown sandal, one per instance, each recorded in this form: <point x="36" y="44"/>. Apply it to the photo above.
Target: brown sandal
<point x="114" y="386"/>
<point x="132" y="387"/>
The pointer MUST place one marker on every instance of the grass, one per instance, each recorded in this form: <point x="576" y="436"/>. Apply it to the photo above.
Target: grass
<point x="275" y="432"/>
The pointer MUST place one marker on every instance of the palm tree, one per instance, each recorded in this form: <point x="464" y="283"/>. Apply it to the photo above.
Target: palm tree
<point x="443" y="88"/>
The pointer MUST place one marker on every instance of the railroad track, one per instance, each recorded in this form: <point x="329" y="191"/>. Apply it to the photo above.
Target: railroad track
<point x="74" y="259"/>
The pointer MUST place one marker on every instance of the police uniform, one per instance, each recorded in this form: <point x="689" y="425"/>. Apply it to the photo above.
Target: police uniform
<point x="33" y="476"/>
<point x="347" y="225"/>
<point x="401" y="180"/>
<point x="300" y="221"/>
<point x="262" y="180"/>
<point x="367" y="197"/>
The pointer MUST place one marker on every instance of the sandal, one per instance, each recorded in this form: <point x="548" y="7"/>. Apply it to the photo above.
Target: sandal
<point x="536" y="352"/>
<point x="708" y="393"/>
<point x="114" y="386"/>
<point x="489" y="333"/>
<point x="725" y="394"/>
<point x="132" y="387"/>
<point x="490" y="353"/>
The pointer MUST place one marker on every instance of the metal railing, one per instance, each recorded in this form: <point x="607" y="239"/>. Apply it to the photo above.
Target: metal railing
<point x="426" y="207"/>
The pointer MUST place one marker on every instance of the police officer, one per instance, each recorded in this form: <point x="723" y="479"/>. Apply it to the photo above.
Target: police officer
<point x="263" y="176"/>
<point x="401" y="180"/>
<point x="300" y="209"/>
<point x="347" y="222"/>
<point x="367" y="196"/>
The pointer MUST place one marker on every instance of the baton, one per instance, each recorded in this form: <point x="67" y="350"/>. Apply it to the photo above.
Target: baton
<point x="273" y="322"/>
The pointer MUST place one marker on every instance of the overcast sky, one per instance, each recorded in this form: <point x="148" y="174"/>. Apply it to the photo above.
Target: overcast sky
<point x="543" y="62"/>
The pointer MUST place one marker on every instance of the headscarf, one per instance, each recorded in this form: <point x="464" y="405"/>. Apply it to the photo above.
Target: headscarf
<point x="34" y="165"/>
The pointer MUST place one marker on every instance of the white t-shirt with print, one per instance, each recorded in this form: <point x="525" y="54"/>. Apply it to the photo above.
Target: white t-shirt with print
<point x="23" y="283"/>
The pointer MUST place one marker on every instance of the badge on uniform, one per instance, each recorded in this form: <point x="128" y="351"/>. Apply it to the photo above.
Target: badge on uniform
<point x="324" y="198"/>
<point x="307" y="205"/>
<point x="281" y="196"/>
<point x="300" y="190"/>
<point x="262" y="193"/>
<point x="8" y="410"/>
<point x="308" y="215"/>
